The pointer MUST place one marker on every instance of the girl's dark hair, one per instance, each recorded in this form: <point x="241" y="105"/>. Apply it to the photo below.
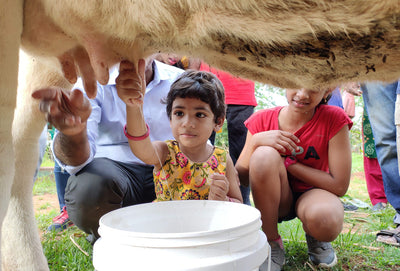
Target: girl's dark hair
<point x="325" y="100"/>
<point x="201" y="85"/>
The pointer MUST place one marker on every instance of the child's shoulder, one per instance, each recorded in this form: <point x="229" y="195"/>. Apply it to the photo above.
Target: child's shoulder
<point x="331" y="109"/>
<point x="335" y="115"/>
<point x="265" y="113"/>
<point x="268" y="111"/>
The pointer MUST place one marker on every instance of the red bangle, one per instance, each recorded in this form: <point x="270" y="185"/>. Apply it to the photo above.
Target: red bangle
<point x="137" y="138"/>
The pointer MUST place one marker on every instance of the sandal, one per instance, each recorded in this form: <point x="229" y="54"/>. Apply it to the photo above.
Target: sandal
<point x="390" y="237"/>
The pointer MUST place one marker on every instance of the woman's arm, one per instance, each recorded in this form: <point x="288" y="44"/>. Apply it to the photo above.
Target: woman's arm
<point x="282" y="141"/>
<point x="337" y="181"/>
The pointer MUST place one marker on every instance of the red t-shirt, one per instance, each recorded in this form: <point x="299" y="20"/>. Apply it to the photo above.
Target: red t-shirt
<point x="237" y="91"/>
<point x="314" y="135"/>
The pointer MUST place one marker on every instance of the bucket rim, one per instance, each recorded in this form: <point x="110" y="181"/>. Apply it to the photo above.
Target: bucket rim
<point x="255" y="222"/>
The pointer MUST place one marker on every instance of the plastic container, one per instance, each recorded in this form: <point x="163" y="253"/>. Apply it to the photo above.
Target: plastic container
<point x="181" y="235"/>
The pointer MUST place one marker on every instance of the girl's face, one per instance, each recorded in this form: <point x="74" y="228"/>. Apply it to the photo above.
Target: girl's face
<point x="192" y="121"/>
<point x="305" y="100"/>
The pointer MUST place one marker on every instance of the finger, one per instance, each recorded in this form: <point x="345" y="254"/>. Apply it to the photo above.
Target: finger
<point x="128" y="74"/>
<point x="289" y="145"/>
<point x="141" y="72"/>
<point x="291" y="136"/>
<point x="130" y="83"/>
<point x="76" y="99"/>
<point x="45" y="93"/>
<point x="217" y="176"/>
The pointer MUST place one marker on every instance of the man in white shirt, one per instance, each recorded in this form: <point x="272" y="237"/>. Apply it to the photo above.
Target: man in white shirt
<point x="92" y="147"/>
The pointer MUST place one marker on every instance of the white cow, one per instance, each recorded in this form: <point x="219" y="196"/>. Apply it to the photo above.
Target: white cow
<point x="288" y="43"/>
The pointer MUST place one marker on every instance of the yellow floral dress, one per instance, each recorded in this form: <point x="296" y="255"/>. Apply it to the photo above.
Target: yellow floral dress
<point x="182" y="179"/>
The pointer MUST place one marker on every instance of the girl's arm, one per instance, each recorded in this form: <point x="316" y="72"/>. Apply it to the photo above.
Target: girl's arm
<point x="226" y="187"/>
<point x="337" y="181"/>
<point x="151" y="153"/>
<point x="131" y="86"/>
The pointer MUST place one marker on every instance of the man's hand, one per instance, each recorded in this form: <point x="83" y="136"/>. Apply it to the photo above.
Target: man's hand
<point x="67" y="112"/>
<point x="219" y="187"/>
<point x="131" y="82"/>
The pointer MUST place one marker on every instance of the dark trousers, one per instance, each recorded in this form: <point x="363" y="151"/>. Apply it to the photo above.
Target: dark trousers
<point x="105" y="185"/>
<point x="236" y="115"/>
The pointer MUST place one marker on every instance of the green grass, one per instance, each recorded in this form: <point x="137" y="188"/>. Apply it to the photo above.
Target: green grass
<point x="356" y="249"/>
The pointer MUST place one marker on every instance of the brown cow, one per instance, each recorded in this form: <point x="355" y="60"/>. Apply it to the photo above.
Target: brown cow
<point x="287" y="43"/>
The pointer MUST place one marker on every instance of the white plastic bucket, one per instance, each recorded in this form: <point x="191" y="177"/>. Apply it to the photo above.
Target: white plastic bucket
<point x="181" y="235"/>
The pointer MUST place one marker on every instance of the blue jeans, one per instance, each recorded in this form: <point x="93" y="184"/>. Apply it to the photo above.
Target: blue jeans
<point x="61" y="178"/>
<point x="379" y="100"/>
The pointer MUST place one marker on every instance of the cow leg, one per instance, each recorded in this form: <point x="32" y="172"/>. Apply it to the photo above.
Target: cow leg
<point x="21" y="245"/>
<point x="10" y="33"/>
<point x="20" y="226"/>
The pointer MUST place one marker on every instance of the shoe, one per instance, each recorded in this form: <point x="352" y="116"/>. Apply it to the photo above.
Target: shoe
<point x="378" y="207"/>
<point x="91" y="239"/>
<point x="349" y="206"/>
<point x="390" y="237"/>
<point x="61" y="222"/>
<point x="277" y="256"/>
<point x="321" y="253"/>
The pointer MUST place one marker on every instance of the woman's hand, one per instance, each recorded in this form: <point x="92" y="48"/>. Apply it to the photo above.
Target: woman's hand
<point x="219" y="187"/>
<point x="131" y="82"/>
<point x="284" y="142"/>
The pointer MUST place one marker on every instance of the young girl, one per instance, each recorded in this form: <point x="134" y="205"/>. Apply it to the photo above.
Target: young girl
<point x="187" y="167"/>
<point x="297" y="159"/>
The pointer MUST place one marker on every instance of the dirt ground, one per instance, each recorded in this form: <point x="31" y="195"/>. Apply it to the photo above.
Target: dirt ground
<point x="43" y="204"/>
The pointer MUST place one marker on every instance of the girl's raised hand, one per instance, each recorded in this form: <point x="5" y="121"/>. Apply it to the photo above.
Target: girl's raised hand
<point x="219" y="187"/>
<point x="284" y="142"/>
<point x="131" y="82"/>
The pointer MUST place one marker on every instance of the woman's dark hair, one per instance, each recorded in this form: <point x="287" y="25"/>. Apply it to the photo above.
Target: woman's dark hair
<point x="201" y="85"/>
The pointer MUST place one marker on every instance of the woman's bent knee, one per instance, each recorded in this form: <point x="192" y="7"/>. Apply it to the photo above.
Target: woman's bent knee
<point x="265" y="158"/>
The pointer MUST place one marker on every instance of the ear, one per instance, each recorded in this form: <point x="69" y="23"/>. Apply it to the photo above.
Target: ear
<point x="219" y="124"/>
<point x="329" y="91"/>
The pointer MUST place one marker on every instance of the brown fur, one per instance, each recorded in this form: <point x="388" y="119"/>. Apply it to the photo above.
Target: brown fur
<point x="293" y="43"/>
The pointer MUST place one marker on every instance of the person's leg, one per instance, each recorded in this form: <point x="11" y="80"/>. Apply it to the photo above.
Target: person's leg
<point x="61" y="221"/>
<point x="272" y="197"/>
<point x="373" y="178"/>
<point x="236" y="115"/>
<point x="380" y="104"/>
<point x="61" y="177"/>
<point x="322" y="215"/>
<point x="103" y="186"/>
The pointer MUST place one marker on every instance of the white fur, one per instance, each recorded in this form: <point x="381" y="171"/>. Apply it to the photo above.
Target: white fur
<point x="310" y="43"/>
